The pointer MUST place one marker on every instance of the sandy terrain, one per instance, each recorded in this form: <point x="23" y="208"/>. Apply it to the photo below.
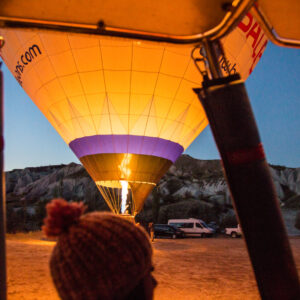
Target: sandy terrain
<point x="216" y="268"/>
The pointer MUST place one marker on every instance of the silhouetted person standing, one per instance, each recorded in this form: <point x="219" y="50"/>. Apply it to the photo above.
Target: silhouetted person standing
<point x="151" y="231"/>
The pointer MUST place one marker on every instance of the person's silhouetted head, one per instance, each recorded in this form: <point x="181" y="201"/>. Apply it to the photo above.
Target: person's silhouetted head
<point x="98" y="255"/>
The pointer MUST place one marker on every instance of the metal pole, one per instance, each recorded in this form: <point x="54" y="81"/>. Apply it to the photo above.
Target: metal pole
<point x="2" y="200"/>
<point x="212" y="58"/>
<point x="248" y="176"/>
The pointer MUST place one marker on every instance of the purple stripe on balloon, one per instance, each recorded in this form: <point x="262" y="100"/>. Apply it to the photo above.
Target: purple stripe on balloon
<point x="134" y="144"/>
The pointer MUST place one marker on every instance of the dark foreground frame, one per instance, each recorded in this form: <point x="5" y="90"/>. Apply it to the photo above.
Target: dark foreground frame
<point x="3" y="202"/>
<point x="249" y="179"/>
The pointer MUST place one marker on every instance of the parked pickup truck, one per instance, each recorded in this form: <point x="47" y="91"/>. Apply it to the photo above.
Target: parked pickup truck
<point x="234" y="232"/>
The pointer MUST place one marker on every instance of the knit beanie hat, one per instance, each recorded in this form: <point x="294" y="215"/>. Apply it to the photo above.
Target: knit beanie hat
<point x="98" y="255"/>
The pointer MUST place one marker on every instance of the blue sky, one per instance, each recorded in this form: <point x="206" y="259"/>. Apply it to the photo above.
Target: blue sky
<point x="273" y="88"/>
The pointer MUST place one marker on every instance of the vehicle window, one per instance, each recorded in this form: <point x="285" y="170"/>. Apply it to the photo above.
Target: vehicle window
<point x="159" y="227"/>
<point x="188" y="225"/>
<point x="178" y="225"/>
<point x="199" y="225"/>
<point x="205" y="225"/>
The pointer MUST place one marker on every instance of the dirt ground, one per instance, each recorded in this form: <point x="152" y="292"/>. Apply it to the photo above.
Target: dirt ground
<point x="188" y="269"/>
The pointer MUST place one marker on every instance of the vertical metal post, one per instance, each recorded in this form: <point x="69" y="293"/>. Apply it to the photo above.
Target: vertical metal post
<point x="2" y="200"/>
<point x="212" y="58"/>
<point x="248" y="176"/>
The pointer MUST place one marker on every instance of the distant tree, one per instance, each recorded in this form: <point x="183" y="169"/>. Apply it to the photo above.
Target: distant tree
<point x="58" y="191"/>
<point x="24" y="211"/>
<point x="218" y="209"/>
<point x="288" y="193"/>
<point x="22" y="216"/>
<point x="293" y="202"/>
<point x="163" y="216"/>
<point x="169" y="199"/>
<point x="200" y="210"/>
<point x="297" y="220"/>
<point x="89" y="199"/>
<point x="194" y="212"/>
<point x="174" y="185"/>
<point x="40" y="211"/>
<point x="11" y="220"/>
<point x="155" y="204"/>
<point x="188" y="195"/>
<point x="229" y="220"/>
<point x="94" y="200"/>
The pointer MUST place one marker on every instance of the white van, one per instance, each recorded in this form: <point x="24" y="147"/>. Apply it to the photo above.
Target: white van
<point x="192" y="227"/>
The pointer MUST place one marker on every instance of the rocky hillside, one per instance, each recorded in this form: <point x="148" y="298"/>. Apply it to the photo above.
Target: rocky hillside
<point x="204" y="178"/>
<point x="43" y="183"/>
<point x="191" y="188"/>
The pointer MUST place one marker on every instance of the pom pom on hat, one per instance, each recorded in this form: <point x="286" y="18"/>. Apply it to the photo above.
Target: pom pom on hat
<point x="60" y="216"/>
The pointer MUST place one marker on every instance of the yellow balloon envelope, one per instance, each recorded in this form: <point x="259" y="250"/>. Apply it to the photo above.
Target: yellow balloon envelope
<point x="125" y="107"/>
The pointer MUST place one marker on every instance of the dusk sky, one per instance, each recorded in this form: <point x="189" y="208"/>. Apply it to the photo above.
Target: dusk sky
<point x="273" y="88"/>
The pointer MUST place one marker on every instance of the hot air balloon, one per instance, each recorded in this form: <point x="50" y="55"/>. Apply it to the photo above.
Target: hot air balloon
<point x="125" y="107"/>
